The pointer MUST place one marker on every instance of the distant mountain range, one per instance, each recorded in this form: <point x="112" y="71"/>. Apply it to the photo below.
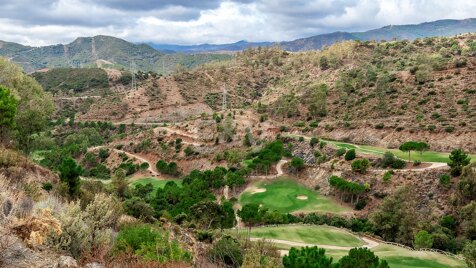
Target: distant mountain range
<point x="100" y="51"/>
<point x="164" y="58"/>
<point x="398" y="32"/>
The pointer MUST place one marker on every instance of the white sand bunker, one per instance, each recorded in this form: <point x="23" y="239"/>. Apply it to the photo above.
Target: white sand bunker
<point x="302" y="197"/>
<point x="256" y="190"/>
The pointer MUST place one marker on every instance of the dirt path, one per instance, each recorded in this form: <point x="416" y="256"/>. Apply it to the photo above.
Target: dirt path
<point x="140" y="158"/>
<point x="279" y="169"/>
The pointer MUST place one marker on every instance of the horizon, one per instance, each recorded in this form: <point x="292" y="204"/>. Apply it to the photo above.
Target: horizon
<point x="186" y="22"/>
<point x="238" y="41"/>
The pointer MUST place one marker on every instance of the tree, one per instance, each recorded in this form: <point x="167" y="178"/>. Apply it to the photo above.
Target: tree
<point x="297" y="164"/>
<point x="228" y="128"/>
<point x="423" y="240"/>
<point x="469" y="253"/>
<point x="350" y="155"/>
<point x="360" y="165"/>
<point x="34" y="106"/>
<point x="458" y="159"/>
<point x="361" y="258"/>
<point x="8" y="109"/>
<point x="312" y="257"/>
<point x="313" y="141"/>
<point x="422" y="146"/>
<point x="69" y="173"/>
<point x="250" y="213"/>
<point x="408" y="147"/>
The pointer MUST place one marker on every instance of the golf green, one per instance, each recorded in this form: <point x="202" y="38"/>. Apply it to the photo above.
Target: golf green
<point x="286" y="196"/>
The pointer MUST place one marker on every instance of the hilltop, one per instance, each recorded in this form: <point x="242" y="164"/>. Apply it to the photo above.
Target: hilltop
<point x="100" y="51"/>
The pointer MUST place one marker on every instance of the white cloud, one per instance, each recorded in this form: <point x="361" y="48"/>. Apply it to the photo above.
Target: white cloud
<point x="40" y="22"/>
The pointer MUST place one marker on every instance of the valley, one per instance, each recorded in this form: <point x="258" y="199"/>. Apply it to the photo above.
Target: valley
<point x="363" y="150"/>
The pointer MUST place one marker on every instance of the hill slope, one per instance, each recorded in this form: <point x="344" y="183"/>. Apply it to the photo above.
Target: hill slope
<point x="98" y="51"/>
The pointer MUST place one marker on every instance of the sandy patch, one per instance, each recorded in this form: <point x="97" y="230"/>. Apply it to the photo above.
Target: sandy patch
<point x="256" y="190"/>
<point x="302" y="197"/>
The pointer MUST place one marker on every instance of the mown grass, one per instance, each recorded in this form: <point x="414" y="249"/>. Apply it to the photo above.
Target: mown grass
<point x="428" y="156"/>
<point x="319" y="235"/>
<point x="156" y="183"/>
<point x="281" y="195"/>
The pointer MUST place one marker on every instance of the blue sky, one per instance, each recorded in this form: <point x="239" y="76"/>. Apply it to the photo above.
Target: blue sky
<point x="44" y="22"/>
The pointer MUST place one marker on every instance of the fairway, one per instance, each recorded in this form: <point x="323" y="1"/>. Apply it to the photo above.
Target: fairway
<point x="287" y="196"/>
<point x="156" y="183"/>
<point x="319" y="235"/>
<point x="428" y="156"/>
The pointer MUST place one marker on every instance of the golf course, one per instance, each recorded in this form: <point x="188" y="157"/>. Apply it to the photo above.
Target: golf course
<point x="426" y="156"/>
<point x="287" y="196"/>
<point x="337" y="242"/>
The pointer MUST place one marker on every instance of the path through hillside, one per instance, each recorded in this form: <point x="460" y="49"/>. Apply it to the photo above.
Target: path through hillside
<point x="369" y="243"/>
<point x="279" y="170"/>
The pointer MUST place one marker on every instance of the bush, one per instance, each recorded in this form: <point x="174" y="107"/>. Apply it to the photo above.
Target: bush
<point x="341" y="151"/>
<point x="416" y="163"/>
<point x="361" y="204"/>
<point x="350" y="155"/>
<point x="445" y="179"/>
<point x="313" y="141"/>
<point x="360" y="165"/>
<point x="47" y="186"/>
<point x="151" y="244"/>
<point x="226" y="251"/>
<point x="387" y="176"/>
<point x="398" y="164"/>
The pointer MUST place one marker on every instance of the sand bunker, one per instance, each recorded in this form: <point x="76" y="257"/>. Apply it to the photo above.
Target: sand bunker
<point x="302" y="197"/>
<point x="255" y="190"/>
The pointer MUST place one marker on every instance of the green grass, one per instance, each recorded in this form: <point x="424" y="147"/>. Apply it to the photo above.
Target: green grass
<point x="157" y="183"/>
<point x="281" y="195"/>
<point x="319" y="235"/>
<point x="428" y="156"/>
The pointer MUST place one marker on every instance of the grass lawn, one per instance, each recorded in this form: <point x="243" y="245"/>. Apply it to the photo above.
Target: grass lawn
<point x="428" y="156"/>
<point x="396" y="257"/>
<point x="320" y="235"/>
<point x="157" y="183"/>
<point x="281" y="195"/>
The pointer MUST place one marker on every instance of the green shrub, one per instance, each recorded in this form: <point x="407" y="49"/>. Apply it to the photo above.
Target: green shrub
<point x="47" y="186"/>
<point x="360" y="204"/>
<point x="150" y="244"/>
<point x="322" y="144"/>
<point x="387" y="176"/>
<point x="398" y="164"/>
<point x="341" y="151"/>
<point x="313" y="141"/>
<point x="299" y="124"/>
<point x="350" y="155"/>
<point x="360" y="165"/>
<point x="445" y="179"/>
<point x="226" y="251"/>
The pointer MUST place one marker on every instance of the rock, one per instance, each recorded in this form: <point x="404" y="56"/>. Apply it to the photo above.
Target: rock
<point x="93" y="265"/>
<point x="67" y="262"/>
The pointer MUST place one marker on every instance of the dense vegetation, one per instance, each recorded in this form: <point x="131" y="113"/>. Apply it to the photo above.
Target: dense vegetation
<point x="65" y="80"/>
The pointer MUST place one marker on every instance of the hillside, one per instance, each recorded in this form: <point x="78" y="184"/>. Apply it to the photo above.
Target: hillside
<point x="100" y="51"/>
<point x="392" y="32"/>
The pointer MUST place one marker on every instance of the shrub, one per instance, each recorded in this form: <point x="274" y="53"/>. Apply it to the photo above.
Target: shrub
<point x="445" y="179"/>
<point x="226" y="251"/>
<point x="322" y="144"/>
<point x="360" y="204"/>
<point x="341" y="151"/>
<point x="313" y="141"/>
<point x="47" y="186"/>
<point x="387" y="176"/>
<point x="416" y="162"/>
<point x="360" y="165"/>
<point x="150" y="244"/>
<point x="350" y="155"/>
<point x="398" y="164"/>
<point x="301" y="139"/>
<point x="299" y="124"/>
<point x="423" y="240"/>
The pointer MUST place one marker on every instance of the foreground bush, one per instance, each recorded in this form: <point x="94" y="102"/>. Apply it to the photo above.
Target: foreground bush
<point x="150" y="244"/>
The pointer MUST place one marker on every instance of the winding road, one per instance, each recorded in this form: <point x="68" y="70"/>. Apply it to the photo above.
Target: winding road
<point x="279" y="169"/>
<point x="369" y="243"/>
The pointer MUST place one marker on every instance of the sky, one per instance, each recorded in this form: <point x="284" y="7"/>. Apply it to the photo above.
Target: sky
<point x="46" y="22"/>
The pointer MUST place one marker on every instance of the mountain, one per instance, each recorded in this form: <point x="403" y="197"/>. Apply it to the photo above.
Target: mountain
<point x="98" y="51"/>
<point x="238" y="46"/>
<point x="391" y="32"/>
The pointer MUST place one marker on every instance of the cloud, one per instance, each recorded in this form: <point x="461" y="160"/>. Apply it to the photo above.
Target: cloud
<point x="39" y="22"/>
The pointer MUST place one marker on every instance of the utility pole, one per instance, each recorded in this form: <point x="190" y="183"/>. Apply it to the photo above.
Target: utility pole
<point x="133" y="73"/>
<point x="223" y="107"/>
